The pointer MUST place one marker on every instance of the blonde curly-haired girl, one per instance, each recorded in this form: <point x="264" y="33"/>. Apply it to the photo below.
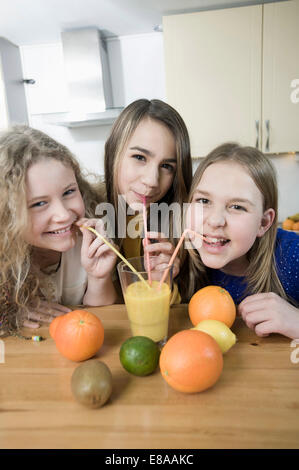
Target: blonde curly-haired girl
<point x="45" y="261"/>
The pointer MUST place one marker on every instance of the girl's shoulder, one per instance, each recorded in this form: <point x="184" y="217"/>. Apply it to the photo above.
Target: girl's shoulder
<point x="287" y="245"/>
<point x="287" y="261"/>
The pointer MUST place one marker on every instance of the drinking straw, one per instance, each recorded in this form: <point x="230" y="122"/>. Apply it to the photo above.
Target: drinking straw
<point x="187" y="230"/>
<point x="146" y="239"/>
<point x="117" y="253"/>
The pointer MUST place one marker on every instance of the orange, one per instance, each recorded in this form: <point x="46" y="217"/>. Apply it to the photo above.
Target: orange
<point x="212" y="303"/>
<point x="287" y="224"/>
<point x="78" y="335"/>
<point x="53" y="326"/>
<point x="191" y="361"/>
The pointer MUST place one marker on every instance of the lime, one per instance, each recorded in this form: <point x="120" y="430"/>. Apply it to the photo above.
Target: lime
<point x="139" y="355"/>
<point x="221" y="333"/>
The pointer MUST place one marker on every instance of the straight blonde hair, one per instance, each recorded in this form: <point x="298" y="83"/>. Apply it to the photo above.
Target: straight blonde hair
<point x="261" y="274"/>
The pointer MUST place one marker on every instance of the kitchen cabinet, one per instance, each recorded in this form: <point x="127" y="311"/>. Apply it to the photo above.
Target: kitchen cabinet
<point x="280" y="69"/>
<point x="3" y="102"/>
<point x="44" y="63"/>
<point x="13" y="109"/>
<point x="229" y="74"/>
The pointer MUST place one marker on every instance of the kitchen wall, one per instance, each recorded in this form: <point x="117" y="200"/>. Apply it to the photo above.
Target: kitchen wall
<point x="137" y="70"/>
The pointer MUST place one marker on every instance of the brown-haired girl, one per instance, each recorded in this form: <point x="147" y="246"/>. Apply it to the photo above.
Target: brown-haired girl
<point x="243" y="250"/>
<point x="43" y="261"/>
<point x="147" y="155"/>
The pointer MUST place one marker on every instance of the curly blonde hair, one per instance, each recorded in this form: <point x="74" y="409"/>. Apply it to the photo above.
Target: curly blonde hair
<point x="21" y="147"/>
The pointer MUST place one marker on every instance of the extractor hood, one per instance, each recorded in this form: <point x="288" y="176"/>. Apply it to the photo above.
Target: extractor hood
<point x="88" y="80"/>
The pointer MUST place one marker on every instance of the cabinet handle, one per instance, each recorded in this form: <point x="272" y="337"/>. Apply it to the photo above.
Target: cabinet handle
<point x="267" y="123"/>
<point x="257" y="128"/>
<point x="28" y="81"/>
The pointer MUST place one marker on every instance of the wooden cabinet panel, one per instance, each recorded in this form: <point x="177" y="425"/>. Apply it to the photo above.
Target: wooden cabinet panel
<point x="280" y="68"/>
<point x="229" y="71"/>
<point x="213" y="74"/>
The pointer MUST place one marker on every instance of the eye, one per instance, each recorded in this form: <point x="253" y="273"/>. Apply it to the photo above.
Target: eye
<point x="238" y="207"/>
<point x="139" y="157"/>
<point x="38" y="204"/>
<point x="168" y="167"/>
<point x="202" y="200"/>
<point x="69" y="191"/>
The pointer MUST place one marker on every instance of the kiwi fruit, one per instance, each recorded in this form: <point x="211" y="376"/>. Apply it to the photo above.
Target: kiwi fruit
<point x="91" y="383"/>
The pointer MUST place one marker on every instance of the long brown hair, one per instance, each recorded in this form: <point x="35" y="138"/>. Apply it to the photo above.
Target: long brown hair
<point x="21" y="147"/>
<point x="261" y="274"/>
<point x="123" y="129"/>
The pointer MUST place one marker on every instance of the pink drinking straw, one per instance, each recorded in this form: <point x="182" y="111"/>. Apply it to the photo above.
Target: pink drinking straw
<point x="187" y="230"/>
<point x="146" y="240"/>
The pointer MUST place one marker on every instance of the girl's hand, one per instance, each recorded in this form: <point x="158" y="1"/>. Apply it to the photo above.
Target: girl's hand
<point x="163" y="249"/>
<point x="97" y="258"/>
<point x="44" y="313"/>
<point x="268" y="313"/>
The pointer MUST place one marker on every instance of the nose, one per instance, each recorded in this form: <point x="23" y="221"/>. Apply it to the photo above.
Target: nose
<point x="60" y="212"/>
<point x="150" y="176"/>
<point x="215" y="217"/>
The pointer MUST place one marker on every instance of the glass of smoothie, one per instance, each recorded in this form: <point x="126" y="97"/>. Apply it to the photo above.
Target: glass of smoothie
<point x="147" y="302"/>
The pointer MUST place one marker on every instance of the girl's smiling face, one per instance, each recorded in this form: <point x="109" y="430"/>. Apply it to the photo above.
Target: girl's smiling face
<point x="54" y="203"/>
<point x="148" y="164"/>
<point x="233" y="216"/>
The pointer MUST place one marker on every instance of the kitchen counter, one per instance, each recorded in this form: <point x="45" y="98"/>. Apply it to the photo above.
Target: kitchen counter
<point x="255" y="403"/>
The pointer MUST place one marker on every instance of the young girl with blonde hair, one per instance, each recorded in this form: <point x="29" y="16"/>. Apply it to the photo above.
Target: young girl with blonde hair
<point x="243" y="250"/>
<point x="147" y="157"/>
<point x="44" y="261"/>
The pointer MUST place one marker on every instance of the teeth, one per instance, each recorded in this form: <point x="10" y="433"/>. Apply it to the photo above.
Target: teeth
<point x="62" y="231"/>
<point x="215" y="240"/>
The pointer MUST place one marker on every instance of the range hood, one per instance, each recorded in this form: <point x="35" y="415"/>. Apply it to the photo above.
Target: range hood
<point x="88" y="79"/>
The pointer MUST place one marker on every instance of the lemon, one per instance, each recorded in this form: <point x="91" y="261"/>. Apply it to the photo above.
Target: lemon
<point x="219" y="331"/>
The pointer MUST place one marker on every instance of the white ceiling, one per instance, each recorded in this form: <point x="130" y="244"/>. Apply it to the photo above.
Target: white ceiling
<point x="25" y="22"/>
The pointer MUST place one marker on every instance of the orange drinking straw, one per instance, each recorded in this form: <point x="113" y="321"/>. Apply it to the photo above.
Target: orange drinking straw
<point x="117" y="253"/>
<point x="187" y="230"/>
<point x="146" y="239"/>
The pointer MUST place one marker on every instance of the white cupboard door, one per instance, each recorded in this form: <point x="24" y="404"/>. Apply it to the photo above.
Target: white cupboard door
<point x="213" y="74"/>
<point x="4" y="120"/>
<point x="44" y="64"/>
<point x="280" y="70"/>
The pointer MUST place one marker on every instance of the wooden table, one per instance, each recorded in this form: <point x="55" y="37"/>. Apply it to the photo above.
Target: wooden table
<point x="255" y="403"/>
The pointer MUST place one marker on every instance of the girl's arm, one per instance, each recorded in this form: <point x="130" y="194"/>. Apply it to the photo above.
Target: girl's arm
<point x="45" y="313"/>
<point x="98" y="260"/>
<point x="99" y="292"/>
<point x="268" y="313"/>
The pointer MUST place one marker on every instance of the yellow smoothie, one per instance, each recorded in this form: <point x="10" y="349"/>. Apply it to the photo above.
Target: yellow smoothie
<point x="148" y="309"/>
